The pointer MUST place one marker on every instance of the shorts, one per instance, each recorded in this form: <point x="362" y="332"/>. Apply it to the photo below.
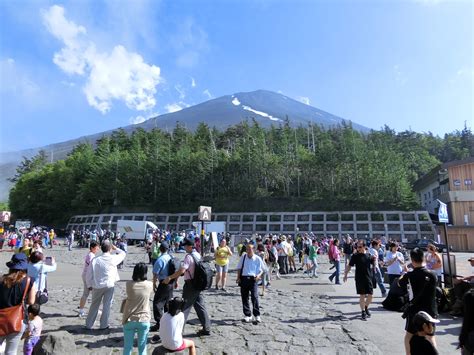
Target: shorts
<point x="364" y="288"/>
<point x="224" y="268"/>
<point x="181" y="348"/>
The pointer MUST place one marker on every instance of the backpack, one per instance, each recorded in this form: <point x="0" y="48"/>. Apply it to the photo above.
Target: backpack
<point x="331" y="252"/>
<point x="271" y="256"/>
<point x="306" y="249"/>
<point x="174" y="265"/>
<point x="203" y="274"/>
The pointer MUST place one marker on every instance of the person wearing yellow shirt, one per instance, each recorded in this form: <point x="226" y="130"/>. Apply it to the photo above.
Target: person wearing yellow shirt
<point x="222" y="255"/>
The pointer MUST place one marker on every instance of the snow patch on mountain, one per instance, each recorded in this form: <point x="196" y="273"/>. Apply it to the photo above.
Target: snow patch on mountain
<point x="263" y="114"/>
<point x="235" y="101"/>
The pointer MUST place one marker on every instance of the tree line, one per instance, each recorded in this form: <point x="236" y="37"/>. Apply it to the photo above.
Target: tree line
<point x="244" y="168"/>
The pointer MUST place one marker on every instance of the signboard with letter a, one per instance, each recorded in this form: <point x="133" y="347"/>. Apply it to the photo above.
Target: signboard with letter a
<point x="204" y="213"/>
<point x="443" y="212"/>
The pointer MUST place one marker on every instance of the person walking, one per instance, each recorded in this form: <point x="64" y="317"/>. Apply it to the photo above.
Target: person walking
<point x="101" y="278"/>
<point x="422" y="285"/>
<point x="93" y="250"/>
<point x="394" y="261"/>
<point x="336" y="253"/>
<point x="374" y="251"/>
<point x="313" y="258"/>
<point x="70" y="240"/>
<point x="136" y="313"/>
<point x="16" y="288"/>
<point x="348" y="249"/>
<point x="222" y="254"/>
<point x="191" y="295"/>
<point x="163" y="292"/>
<point x="364" y="264"/>
<point x="250" y="269"/>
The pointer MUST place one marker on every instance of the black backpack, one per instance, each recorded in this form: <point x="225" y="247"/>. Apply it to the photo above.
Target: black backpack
<point x="271" y="256"/>
<point x="203" y="274"/>
<point x="174" y="265"/>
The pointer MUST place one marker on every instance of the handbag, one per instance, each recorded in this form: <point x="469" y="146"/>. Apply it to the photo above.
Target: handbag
<point x="241" y="270"/>
<point x="11" y="318"/>
<point x="42" y="294"/>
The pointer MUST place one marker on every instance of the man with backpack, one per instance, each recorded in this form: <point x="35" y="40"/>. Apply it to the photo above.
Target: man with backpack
<point x="197" y="277"/>
<point x="164" y="266"/>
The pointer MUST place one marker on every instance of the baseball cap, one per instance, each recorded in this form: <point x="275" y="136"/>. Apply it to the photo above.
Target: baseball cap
<point x="188" y="241"/>
<point x="422" y="318"/>
<point x="165" y="245"/>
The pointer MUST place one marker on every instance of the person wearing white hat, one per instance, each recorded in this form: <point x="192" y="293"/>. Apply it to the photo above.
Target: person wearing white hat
<point x="422" y="342"/>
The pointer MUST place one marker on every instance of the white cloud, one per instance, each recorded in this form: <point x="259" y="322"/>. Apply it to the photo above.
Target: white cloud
<point x="174" y="107"/>
<point x="189" y="42"/>
<point x="429" y="2"/>
<point x="304" y="100"/>
<point x="400" y="77"/>
<point x="118" y="75"/>
<point x="208" y="94"/>
<point x="465" y="72"/>
<point x="137" y="119"/>
<point x="14" y="80"/>
<point x="180" y="90"/>
<point x="193" y="82"/>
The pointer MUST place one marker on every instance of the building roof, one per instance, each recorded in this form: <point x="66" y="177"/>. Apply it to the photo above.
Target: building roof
<point x="433" y="174"/>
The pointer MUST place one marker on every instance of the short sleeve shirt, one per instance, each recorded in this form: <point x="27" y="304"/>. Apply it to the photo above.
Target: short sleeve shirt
<point x="222" y="256"/>
<point x="419" y="345"/>
<point x="35" y="326"/>
<point x="10" y="297"/>
<point x="189" y="265"/>
<point x="363" y="263"/>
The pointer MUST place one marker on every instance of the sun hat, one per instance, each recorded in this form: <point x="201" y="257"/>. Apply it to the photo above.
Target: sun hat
<point x="18" y="262"/>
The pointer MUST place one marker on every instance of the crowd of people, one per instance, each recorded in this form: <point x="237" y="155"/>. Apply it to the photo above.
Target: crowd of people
<point x="261" y="260"/>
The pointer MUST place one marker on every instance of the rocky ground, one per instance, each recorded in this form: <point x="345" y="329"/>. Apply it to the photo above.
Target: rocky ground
<point x="300" y="315"/>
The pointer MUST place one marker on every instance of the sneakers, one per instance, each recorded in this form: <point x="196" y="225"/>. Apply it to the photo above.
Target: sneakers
<point x="217" y="287"/>
<point x="203" y="332"/>
<point x="363" y="315"/>
<point x="247" y="319"/>
<point x="331" y="278"/>
<point x="155" y="339"/>
<point x="155" y="328"/>
<point x="258" y="319"/>
<point x="223" y="289"/>
<point x="367" y="312"/>
<point x="82" y="313"/>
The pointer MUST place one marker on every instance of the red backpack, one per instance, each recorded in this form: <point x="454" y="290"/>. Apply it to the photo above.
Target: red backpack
<point x="331" y="252"/>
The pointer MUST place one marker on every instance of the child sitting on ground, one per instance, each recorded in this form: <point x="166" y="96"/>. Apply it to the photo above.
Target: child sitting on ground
<point x="33" y="332"/>
<point x="171" y="328"/>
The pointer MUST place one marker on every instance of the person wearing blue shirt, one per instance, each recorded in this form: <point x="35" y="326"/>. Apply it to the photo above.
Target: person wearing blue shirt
<point x="250" y="270"/>
<point x="163" y="292"/>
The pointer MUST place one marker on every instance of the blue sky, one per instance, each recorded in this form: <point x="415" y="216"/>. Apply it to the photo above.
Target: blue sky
<point x="74" y="68"/>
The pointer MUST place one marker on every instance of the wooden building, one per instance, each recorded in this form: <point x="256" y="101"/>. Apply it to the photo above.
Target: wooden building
<point x="451" y="183"/>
